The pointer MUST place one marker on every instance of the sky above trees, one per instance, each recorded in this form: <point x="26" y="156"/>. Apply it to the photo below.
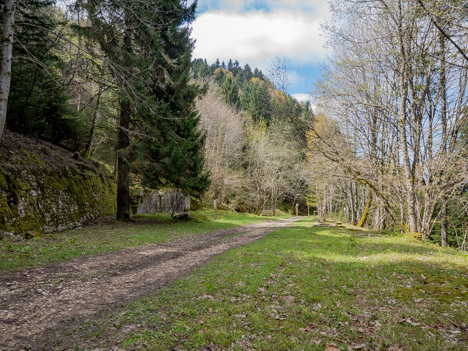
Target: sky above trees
<point x="254" y="32"/>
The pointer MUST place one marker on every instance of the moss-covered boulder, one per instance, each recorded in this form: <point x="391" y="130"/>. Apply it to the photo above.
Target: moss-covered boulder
<point x="45" y="188"/>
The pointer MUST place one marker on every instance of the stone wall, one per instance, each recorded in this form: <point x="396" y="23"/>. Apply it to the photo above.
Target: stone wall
<point x="162" y="201"/>
<point x="46" y="188"/>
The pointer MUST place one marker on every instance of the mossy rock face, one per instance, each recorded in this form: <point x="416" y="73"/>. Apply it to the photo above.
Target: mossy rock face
<point x="47" y="191"/>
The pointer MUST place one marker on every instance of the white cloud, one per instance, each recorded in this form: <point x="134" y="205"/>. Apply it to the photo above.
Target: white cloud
<point x="302" y="97"/>
<point x="256" y="37"/>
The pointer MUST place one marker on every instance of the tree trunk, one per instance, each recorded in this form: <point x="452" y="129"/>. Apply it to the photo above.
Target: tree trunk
<point x="273" y="205"/>
<point x="403" y="86"/>
<point x="123" y="144"/>
<point x="366" y="210"/>
<point x="409" y="174"/>
<point x="355" y="202"/>
<point x="89" y="145"/>
<point x="7" y="36"/>
<point x="443" y="224"/>
<point x="443" y="85"/>
<point x="123" y="166"/>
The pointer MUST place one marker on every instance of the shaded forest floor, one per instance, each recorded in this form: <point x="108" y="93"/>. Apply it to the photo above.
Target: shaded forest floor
<point x="300" y="288"/>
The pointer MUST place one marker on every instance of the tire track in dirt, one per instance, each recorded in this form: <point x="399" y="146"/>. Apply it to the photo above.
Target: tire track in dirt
<point x="38" y="301"/>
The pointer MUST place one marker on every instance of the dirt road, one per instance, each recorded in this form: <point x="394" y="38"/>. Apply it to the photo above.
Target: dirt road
<point x="35" y="302"/>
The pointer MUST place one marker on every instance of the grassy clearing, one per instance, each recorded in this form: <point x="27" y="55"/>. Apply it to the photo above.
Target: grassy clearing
<point x="301" y="288"/>
<point x="112" y="235"/>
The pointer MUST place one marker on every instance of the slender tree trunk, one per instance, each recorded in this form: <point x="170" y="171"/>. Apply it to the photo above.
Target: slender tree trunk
<point x="7" y="37"/>
<point x="325" y="202"/>
<point x="402" y="211"/>
<point x="444" y="224"/>
<point x="123" y="144"/>
<point x="355" y="201"/>
<point x="408" y="174"/>
<point x="443" y="85"/>
<point x="273" y="205"/>
<point x="123" y="166"/>
<point x="366" y="210"/>
<point x="376" y="221"/>
<point x="89" y="145"/>
<point x="403" y="86"/>
<point x="463" y="245"/>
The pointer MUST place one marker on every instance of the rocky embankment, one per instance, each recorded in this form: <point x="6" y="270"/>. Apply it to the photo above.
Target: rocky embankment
<point x="44" y="188"/>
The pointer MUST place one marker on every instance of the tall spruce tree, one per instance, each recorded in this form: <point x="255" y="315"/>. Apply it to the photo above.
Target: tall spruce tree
<point x="174" y="155"/>
<point x="230" y="90"/>
<point x="148" y="48"/>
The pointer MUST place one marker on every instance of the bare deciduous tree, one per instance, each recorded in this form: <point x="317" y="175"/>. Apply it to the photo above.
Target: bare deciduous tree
<point x="397" y="94"/>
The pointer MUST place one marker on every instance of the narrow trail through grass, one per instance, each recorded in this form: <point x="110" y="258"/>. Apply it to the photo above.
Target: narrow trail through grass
<point x="301" y="288"/>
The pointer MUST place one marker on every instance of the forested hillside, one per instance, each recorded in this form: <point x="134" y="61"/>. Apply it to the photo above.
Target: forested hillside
<point x="255" y="137"/>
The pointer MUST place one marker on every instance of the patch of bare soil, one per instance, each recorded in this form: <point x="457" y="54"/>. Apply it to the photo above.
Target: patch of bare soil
<point x="34" y="303"/>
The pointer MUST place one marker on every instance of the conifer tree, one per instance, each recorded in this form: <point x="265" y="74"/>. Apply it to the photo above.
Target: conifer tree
<point x="38" y="102"/>
<point x="174" y="155"/>
<point x="230" y="90"/>
<point x="148" y="48"/>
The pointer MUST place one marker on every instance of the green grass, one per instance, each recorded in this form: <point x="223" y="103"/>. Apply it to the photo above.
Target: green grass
<point x="95" y="239"/>
<point x="301" y="288"/>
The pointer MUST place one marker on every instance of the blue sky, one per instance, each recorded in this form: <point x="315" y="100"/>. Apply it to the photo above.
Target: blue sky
<point x="254" y="32"/>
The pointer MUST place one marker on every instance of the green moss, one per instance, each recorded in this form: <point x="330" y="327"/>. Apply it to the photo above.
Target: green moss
<point x="34" y="158"/>
<point x="52" y="198"/>
<point x="3" y="182"/>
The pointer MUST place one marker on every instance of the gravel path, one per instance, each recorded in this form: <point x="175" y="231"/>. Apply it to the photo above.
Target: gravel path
<point x="37" y="302"/>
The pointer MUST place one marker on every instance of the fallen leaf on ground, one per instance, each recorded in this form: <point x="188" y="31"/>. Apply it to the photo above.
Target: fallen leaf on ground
<point x="309" y="328"/>
<point x="240" y="316"/>
<point x="279" y="318"/>
<point x="409" y="321"/>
